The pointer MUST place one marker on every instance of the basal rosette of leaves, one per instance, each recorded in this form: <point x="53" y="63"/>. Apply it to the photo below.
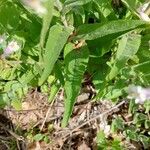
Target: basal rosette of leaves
<point x="58" y="41"/>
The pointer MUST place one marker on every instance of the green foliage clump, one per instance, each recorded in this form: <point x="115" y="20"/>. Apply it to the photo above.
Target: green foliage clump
<point x="108" y="39"/>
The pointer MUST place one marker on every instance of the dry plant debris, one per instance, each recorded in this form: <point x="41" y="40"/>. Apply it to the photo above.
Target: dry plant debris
<point x="87" y="119"/>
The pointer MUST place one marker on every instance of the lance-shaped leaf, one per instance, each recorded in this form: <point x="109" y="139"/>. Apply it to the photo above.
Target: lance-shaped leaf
<point x="75" y="64"/>
<point x="58" y="83"/>
<point x="58" y="36"/>
<point x="111" y="28"/>
<point x="127" y="48"/>
<point x="46" y="21"/>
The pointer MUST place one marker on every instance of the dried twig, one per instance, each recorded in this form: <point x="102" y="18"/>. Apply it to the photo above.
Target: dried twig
<point x="98" y="116"/>
<point x="47" y="120"/>
<point x="4" y="138"/>
<point x="20" y="138"/>
<point x="48" y="111"/>
<point x="24" y="110"/>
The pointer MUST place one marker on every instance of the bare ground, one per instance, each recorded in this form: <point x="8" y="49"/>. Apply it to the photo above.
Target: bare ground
<point x="17" y="128"/>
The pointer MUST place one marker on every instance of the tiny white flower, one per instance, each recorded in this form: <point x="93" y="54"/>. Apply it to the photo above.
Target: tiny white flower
<point x="144" y="16"/>
<point x="139" y="94"/>
<point x="144" y="7"/>
<point x="36" y="5"/>
<point x="3" y="38"/>
<point x="142" y="13"/>
<point x="105" y="129"/>
<point x="12" y="47"/>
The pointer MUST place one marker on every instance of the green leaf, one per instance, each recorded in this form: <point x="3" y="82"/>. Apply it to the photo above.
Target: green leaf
<point x="75" y="64"/>
<point x="147" y="106"/>
<point x="132" y="107"/>
<point x="132" y="5"/>
<point x="116" y="89"/>
<point x="98" y="30"/>
<point x="9" y="15"/>
<point x="145" y="141"/>
<point x="38" y="137"/>
<point x="58" y="36"/>
<point x="46" y="21"/>
<point x="101" y="140"/>
<point x="99" y="71"/>
<point x="70" y="4"/>
<point x="147" y="124"/>
<point x="144" y="52"/>
<point x="139" y="119"/>
<point x="58" y="71"/>
<point x="99" y="47"/>
<point x="29" y="76"/>
<point x="133" y="135"/>
<point x="54" y="90"/>
<point x="117" y="123"/>
<point x="116" y="144"/>
<point x="104" y="7"/>
<point x="128" y="47"/>
<point x="79" y="16"/>
<point x="17" y="104"/>
<point x="46" y="140"/>
<point x="76" y="2"/>
<point x="2" y="102"/>
<point x="13" y="93"/>
<point x="143" y="68"/>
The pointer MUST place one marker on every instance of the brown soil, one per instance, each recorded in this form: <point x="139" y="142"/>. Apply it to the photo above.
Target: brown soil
<point x="38" y="116"/>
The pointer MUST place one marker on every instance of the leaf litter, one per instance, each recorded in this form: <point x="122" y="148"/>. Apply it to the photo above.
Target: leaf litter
<point x="38" y="116"/>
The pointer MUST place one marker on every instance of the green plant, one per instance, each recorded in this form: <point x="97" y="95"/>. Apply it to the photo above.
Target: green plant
<point x="105" y="144"/>
<point x="110" y="42"/>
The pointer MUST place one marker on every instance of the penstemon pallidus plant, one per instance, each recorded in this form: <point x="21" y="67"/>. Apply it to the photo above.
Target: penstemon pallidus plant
<point x="56" y="41"/>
